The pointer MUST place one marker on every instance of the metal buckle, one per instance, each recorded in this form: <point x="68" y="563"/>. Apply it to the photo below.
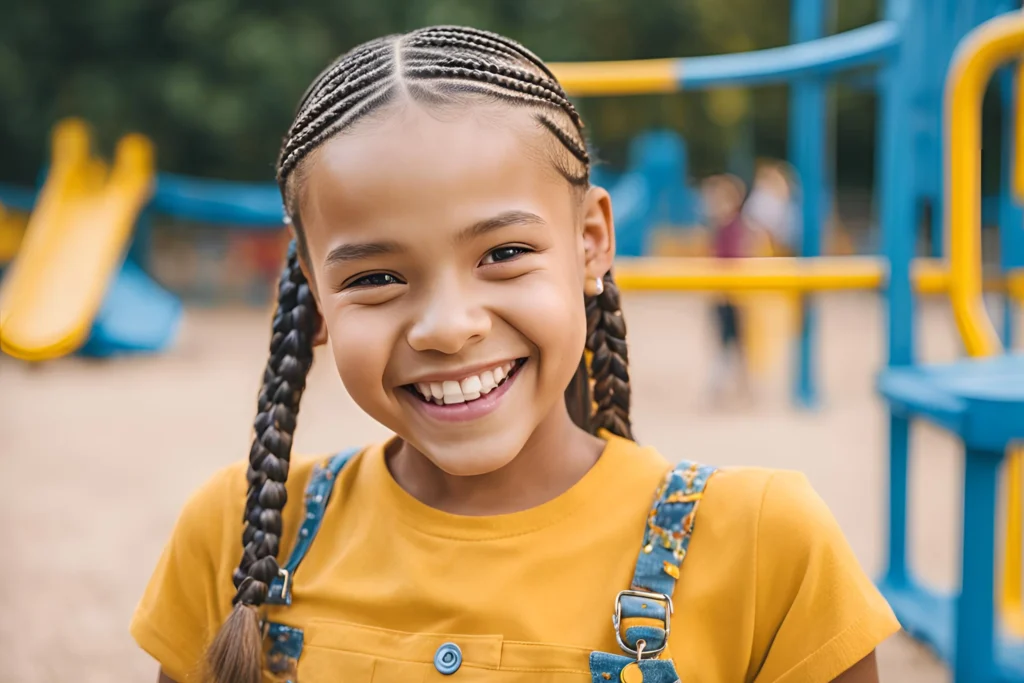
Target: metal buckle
<point x="282" y="572"/>
<point x="642" y="652"/>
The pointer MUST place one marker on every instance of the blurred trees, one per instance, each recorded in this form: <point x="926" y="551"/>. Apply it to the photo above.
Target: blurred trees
<point x="214" y="82"/>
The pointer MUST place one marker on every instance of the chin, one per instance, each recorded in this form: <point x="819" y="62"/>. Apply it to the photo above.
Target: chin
<point x="475" y="457"/>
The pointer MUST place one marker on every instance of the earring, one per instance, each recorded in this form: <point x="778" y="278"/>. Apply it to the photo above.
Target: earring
<point x="594" y="287"/>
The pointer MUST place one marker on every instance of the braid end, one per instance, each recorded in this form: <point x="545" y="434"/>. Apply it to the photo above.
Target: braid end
<point x="236" y="653"/>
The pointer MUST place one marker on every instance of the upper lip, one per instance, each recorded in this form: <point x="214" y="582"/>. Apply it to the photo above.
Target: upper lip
<point x="462" y="373"/>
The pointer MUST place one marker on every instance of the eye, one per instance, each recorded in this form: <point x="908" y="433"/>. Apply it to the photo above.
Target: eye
<point x="374" y="280"/>
<point x="502" y="254"/>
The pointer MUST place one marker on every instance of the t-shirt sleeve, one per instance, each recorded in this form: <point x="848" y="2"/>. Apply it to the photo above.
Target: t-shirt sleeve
<point x="189" y="593"/>
<point x="817" y="613"/>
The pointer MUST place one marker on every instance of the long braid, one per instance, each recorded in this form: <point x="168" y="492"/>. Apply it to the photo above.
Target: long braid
<point x="435" y="66"/>
<point x="609" y="364"/>
<point x="284" y="379"/>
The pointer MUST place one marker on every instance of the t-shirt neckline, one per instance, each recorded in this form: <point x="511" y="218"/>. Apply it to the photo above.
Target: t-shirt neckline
<point x="592" y="487"/>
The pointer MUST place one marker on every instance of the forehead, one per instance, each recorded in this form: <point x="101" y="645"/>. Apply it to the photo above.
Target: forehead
<point x="448" y="167"/>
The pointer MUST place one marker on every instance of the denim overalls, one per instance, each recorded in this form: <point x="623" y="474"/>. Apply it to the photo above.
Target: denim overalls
<point x="641" y="617"/>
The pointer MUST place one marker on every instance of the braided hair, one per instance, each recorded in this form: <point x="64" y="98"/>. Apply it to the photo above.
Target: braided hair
<point x="437" y="66"/>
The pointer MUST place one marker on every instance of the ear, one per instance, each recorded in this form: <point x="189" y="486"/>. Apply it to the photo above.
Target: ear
<point x="598" y="232"/>
<point x="320" y="337"/>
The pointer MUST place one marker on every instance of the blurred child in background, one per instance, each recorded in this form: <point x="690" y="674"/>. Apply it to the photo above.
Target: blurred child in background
<point x="770" y="208"/>
<point x="723" y="197"/>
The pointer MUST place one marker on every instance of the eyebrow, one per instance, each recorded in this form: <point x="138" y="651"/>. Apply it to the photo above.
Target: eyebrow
<point x="502" y="220"/>
<point x="361" y="250"/>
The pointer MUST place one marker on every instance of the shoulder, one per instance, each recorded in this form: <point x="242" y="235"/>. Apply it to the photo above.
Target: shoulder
<point x="222" y="496"/>
<point x="811" y="606"/>
<point x="190" y="591"/>
<point x="779" y="510"/>
<point x="765" y="501"/>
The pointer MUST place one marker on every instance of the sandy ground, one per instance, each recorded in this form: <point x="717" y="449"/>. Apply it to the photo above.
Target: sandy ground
<point x="98" y="457"/>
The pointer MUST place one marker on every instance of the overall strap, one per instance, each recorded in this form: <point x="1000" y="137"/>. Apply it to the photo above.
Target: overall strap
<point x="318" y="493"/>
<point x="643" y="614"/>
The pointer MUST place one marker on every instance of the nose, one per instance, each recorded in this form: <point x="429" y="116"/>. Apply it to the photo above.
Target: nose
<point x="449" y="320"/>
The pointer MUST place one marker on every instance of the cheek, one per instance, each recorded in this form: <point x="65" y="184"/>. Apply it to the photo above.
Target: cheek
<point x="549" y="312"/>
<point x="360" y="343"/>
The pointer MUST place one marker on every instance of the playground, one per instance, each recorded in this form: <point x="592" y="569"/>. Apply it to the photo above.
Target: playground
<point x="887" y="374"/>
<point x="91" y="530"/>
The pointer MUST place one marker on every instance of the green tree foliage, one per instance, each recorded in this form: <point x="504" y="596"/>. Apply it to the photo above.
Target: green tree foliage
<point x="214" y="82"/>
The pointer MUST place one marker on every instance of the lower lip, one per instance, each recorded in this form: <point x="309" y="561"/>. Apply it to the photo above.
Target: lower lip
<point x="472" y="410"/>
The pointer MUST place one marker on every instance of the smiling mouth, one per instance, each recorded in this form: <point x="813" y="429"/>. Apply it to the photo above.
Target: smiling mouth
<point x="468" y="389"/>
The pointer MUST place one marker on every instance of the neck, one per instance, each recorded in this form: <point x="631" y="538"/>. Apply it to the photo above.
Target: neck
<point x="555" y="457"/>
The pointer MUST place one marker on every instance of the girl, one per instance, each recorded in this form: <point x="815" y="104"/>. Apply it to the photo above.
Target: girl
<point x="451" y="251"/>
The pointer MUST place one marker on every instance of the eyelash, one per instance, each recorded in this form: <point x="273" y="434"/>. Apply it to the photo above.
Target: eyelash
<point x="365" y="280"/>
<point x="516" y="248"/>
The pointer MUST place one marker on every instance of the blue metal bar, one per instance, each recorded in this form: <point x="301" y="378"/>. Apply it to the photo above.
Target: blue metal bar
<point x="974" y="656"/>
<point x="807" y="133"/>
<point x="899" y="449"/>
<point x="218" y="201"/>
<point x="894" y="182"/>
<point x="17" y="197"/>
<point x="1011" y="215"/>
<point x="865" y="46"/>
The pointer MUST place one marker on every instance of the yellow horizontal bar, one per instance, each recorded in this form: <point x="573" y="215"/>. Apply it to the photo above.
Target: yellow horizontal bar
<point x="823" y="273"/>
<point x="631" y="77"/>
<point x="747" y="274"/>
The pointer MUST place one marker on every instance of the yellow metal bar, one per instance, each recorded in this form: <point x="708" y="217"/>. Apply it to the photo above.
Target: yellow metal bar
<point x="1013" y="601"/>
<point x="633" y="77"/>
<point x="824" y="273"/>
<point x="985" y="49"/>
<point x="981" y="52"/>
<point x="1011" y="587"/>
<point x="1015" y="284"/>
<point x="750" y="274"/>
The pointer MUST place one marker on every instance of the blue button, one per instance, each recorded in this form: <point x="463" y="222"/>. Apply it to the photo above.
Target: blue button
<point x="448" y="659"/>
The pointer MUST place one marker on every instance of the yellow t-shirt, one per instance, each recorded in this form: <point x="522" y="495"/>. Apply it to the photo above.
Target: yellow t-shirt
<point x="769" y="591"/>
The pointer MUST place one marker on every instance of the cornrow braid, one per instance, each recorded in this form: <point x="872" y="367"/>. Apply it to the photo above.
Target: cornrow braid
<point x="509" y="79"/>
<point x="575" y="148"/>
<point x="556" y="93"/>
<point x="346" y="66"/>
<point x="462" y="60"/>
<point x="284" y="379"/>
<point x="486" y="39"/>
<point x="609" y="364"/>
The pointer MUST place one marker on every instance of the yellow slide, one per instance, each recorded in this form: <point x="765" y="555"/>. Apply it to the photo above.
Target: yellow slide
<point x="74" y="245"/>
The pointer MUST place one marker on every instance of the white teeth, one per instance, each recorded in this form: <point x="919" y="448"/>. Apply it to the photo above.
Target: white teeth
<point x="468" y="389"/>
<point x="452" y="392"/>
<point x="487" y="382"/>
<point x="471" y="387"/>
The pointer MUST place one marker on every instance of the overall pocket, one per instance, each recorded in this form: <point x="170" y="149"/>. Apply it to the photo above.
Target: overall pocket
<point x="338" y="651"/>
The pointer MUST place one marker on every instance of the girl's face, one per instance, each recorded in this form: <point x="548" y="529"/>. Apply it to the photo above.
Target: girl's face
<point x="449" y="259"/>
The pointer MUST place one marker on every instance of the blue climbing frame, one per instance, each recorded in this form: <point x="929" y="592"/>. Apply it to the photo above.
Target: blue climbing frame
<point x="982" y="402"/>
